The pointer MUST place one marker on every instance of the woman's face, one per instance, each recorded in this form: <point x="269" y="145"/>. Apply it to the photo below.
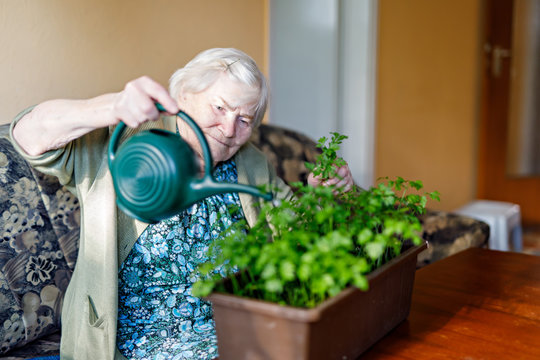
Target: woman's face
<point x="224" y="112"/>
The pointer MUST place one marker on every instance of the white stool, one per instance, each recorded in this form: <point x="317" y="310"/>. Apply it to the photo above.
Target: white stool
<point x="503" y="219"/>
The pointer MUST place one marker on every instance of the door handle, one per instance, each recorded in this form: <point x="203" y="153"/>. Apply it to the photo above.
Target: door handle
<point x="497" y="56"/>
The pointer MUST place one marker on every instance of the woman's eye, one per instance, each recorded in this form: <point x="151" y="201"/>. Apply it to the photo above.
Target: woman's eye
<point x="244" y="122"/>
<point x="219" y="108"/>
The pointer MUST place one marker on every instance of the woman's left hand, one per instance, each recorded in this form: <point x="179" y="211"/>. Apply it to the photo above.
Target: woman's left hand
<point x="343" y="180"/>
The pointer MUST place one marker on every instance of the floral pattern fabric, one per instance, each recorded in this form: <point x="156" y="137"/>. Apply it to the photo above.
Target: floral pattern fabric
<point x="39" y="230"/>
<point x="158" y="317"/>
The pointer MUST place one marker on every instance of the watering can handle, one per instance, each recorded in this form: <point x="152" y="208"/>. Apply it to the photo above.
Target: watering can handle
<point x="207" y="155"/>
<point x="115" y="140"/>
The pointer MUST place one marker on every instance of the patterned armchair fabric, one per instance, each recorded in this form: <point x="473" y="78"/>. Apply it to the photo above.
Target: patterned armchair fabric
<point x="38" y="249"/>
<point x="448" y="233"/>
<point x="287" y="150"/>
<point x="40" y="233"/>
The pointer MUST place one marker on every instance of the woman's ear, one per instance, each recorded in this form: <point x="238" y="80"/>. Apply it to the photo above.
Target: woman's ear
<point x="183" y="99"/>
<point x="180" y="100"/>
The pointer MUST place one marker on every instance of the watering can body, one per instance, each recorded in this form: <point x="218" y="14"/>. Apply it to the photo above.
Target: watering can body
<point x="156" y="173"/>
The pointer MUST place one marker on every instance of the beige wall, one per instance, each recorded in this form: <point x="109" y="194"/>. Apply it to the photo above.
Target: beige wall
<point x="427" y="91"/>
<point x="78" y="49"/>
<point x="427" y="86"/>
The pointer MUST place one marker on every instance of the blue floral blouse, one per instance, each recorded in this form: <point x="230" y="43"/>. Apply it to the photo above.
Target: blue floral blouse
<point x="158" y="318"/>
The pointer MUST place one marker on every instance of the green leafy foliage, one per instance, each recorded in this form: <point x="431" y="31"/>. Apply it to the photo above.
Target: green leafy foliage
<point x="311" y="247"/>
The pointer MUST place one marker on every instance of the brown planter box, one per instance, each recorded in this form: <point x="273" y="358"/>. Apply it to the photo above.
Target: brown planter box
<point x="342" y="327"/>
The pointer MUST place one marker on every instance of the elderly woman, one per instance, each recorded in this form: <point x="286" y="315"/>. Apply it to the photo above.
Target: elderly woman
<point x="130" y="294"/>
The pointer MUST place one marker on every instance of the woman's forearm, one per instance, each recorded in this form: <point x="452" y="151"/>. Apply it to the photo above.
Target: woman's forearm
<point x="52" y="124"/>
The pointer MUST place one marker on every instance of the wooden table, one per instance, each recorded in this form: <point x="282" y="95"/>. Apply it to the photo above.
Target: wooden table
<point x="478" y="304"/>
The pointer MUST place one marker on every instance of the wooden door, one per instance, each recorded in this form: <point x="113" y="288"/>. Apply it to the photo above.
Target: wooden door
<point x="493" y="180"/>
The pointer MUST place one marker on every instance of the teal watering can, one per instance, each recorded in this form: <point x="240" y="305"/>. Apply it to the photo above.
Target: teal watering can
<point x="155" y="173"/>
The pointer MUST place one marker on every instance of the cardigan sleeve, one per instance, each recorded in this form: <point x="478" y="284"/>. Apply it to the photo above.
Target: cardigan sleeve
<point x="78" y="164"/>
<point x="77" y="160"/>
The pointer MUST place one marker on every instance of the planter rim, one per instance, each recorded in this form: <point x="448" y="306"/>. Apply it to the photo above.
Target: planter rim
<point x="313" y="314"/>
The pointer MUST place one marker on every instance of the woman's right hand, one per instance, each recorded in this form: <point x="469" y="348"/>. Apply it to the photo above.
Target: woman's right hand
<point x="136" y="103"/>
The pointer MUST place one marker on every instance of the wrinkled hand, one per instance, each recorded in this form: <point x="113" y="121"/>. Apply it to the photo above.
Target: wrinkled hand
<point x="136" y="103"/>
<point x="345" y="179"/>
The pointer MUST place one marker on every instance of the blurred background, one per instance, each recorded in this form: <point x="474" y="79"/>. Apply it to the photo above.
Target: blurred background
<point x="424" y="89"/>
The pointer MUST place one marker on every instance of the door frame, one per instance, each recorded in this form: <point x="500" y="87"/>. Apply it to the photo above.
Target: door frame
<point x="322" y="74"/>
<point x="493" y="183"/>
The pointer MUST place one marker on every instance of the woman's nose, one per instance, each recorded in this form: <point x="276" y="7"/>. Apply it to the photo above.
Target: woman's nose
<point x="228" y="125"/>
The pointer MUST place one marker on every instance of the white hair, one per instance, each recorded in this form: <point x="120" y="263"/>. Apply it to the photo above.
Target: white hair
<point x="205" y="68"/>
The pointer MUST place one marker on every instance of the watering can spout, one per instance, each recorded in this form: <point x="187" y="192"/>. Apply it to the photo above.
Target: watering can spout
<point x="209" y="187"/>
